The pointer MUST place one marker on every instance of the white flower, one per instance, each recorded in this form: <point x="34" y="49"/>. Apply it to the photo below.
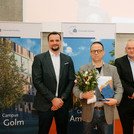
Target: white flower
<point x="85" y="74"/>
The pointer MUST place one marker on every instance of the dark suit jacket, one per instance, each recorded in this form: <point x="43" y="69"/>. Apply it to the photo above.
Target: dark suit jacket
<point x="125" y="73"/>
<point x="44" y="80"/>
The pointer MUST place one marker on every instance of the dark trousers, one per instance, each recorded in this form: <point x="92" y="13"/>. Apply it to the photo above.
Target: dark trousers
<point x="98" y="124"/>
<point x="45" y="120"/>
<point x="126" y="116"/>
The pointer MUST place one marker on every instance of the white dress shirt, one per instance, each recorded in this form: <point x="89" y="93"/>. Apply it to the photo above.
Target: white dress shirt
<point x="56" y="64"/>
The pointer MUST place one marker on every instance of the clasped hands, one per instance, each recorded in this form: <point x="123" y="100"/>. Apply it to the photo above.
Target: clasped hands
<point x="56" y="104"/>
<point x="131" y="97"/>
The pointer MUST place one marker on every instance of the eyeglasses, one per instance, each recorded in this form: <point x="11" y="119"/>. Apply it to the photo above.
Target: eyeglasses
<point x="130" y="48"/>
<point x="94" y="51"/>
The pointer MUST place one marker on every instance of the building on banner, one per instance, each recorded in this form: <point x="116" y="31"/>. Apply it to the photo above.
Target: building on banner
<point x="21" y="117"/>
<point x="25" y="57"/>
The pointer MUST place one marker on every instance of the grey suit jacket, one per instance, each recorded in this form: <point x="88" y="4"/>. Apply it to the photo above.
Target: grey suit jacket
<point x="88" y="109"/>
<point x="44" y="80"/>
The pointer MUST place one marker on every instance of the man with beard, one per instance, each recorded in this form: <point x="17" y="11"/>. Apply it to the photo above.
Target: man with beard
<point x="53" y="78"/>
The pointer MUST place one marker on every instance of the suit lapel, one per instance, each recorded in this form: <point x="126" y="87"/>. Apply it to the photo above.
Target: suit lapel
<point x="128" y="67"/>
<point x="62" y="61"/>
<point x="106" y="70"/>
<point x="50" y="65"/>
<point x="89" y="67"/>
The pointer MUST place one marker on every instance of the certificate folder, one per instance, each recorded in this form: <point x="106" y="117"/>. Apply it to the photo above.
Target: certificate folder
<point x="105" y="87"/>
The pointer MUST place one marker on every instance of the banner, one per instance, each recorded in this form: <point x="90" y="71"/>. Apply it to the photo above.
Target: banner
<point x="19" y="43"/>
<point x="77" y="39"/>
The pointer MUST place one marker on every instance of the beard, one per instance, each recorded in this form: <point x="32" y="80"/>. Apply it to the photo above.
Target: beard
<point x="55" y="49"/>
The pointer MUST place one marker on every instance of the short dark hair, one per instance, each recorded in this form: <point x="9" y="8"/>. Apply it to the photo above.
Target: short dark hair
<point x="53" y="33"/>
<point x="97" y="42"/>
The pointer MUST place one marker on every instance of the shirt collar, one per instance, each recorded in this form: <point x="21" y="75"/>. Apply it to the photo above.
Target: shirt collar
<point x="52" y="54"/>
<point x="130" y="60"/>
<point x="101" y="66"/>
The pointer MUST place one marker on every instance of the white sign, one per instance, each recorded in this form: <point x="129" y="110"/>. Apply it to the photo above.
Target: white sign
<point x="18" y="29"/>
<point x="89" y="30"/>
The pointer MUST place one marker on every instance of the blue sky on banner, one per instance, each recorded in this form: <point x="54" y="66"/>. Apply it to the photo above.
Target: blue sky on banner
<point x="31" y="44"/>
<point x="79" y="50"/>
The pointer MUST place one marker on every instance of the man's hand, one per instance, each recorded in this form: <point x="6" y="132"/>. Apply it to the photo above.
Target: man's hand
<point x="111" y="102"/>
<point x="56" y="104"/>
<point x="88" y="95"/>
<point x="131" y="97"/>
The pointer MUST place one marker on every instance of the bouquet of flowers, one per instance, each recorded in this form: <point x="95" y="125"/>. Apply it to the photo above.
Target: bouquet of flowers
<point x="87" y="81"/>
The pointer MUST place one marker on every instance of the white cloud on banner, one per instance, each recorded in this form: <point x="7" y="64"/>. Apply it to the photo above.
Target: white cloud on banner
<point x="30" y="44"/>
<point x="82" y="48"/>
<point x="65" y="44"/>
<point x="68" y="50"/>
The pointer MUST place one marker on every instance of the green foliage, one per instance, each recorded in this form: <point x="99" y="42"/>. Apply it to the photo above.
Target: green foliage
<point x="12" y="81"/>
<point x="111" y="62"/>
<point x="112" y="54"/>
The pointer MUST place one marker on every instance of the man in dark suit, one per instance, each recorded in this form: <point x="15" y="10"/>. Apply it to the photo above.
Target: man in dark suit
<point x="125" y="67"/>
<point x="53" y="78"/>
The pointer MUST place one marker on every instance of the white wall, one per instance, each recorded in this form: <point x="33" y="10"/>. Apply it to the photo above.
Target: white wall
<point x="124" y="32"/>
<point x="78" y="10"/>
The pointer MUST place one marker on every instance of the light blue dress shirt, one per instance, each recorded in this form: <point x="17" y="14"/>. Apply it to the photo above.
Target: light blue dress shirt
<point x="132" y="66"/>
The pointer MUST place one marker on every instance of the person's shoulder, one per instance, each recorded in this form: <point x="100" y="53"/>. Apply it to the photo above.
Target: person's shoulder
<point x="121" y="58"/>
<point x="41" y="55"/>
<point x="85" y="66"/>
<point x="110" y="66"/>
<point x="65" y="55"/>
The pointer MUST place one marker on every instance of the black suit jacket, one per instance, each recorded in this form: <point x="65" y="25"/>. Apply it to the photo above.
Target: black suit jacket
<point x="44" y="80"/>
<point x="125" y="73"/>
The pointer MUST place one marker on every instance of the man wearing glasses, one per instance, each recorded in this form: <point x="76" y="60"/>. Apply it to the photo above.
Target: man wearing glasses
<point x="99" y="114"/>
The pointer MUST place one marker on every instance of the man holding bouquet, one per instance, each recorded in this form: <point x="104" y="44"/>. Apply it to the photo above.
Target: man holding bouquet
<point x="100" y="112"/>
